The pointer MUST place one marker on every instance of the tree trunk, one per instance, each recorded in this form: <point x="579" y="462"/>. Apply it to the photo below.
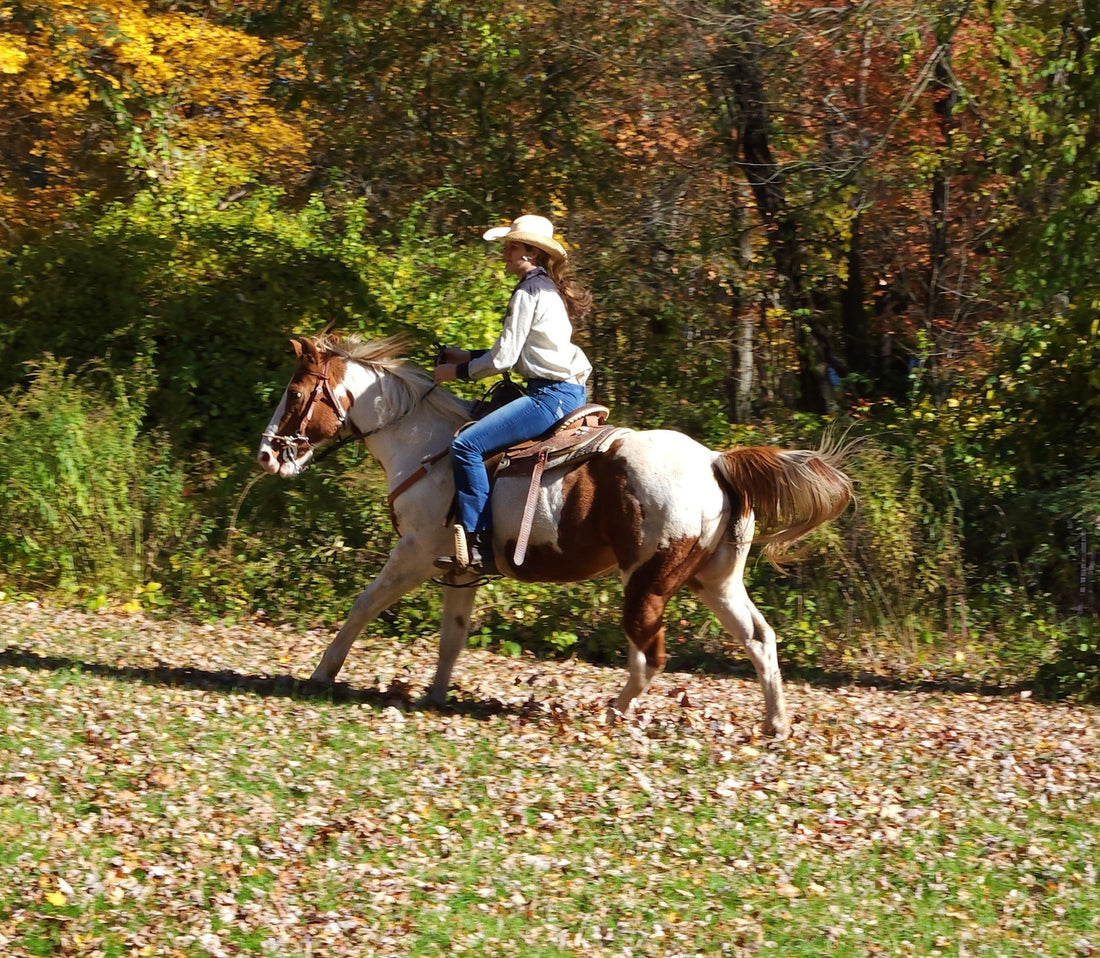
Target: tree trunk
<point x="745" y="126"/>
<point x="743" y="362"/>
<point x="853" y="311"/>
<point x="945" y="100"/>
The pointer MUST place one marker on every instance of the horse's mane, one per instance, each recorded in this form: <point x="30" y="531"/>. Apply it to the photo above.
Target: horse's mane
<point x="405" y="384"/>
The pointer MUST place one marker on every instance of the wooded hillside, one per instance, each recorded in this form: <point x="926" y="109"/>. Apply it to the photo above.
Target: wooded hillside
<point x="878" y="216"/>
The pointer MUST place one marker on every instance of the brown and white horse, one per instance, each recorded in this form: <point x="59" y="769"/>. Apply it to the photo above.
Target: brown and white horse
<point x="662" y="509"/>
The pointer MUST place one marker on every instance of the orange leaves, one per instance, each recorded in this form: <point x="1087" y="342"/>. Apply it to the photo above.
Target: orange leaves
<point x="650" y="136"/>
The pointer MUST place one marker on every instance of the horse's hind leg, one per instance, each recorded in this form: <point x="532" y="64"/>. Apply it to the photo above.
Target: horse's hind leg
<point x="645" y="597"/>
<point x="729" y="601"/>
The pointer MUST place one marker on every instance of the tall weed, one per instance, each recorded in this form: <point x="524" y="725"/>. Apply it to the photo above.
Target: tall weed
<point x="86" y="499"/>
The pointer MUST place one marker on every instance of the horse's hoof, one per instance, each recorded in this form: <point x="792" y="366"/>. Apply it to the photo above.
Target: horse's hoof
<point x="613" y="716"/>
<point x="777" y="731"/>
<point x="316" y="686"/>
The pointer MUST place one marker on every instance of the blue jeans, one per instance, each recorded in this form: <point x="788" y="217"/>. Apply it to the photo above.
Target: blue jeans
<point x="545" y="403"/>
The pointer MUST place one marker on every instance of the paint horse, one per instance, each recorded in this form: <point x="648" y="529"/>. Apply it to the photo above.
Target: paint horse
<point x="663" y="510"/>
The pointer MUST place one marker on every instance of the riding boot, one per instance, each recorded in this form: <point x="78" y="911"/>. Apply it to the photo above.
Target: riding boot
<point x="481" y="555"/>
<point x="471" y="555"/>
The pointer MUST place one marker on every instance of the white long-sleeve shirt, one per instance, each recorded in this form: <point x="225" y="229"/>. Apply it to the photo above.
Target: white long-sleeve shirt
<point x="537" y="339"/>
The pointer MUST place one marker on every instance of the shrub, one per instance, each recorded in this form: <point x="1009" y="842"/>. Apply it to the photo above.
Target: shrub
<point x="1075" y="670"/>
<point x="86" y="498"/>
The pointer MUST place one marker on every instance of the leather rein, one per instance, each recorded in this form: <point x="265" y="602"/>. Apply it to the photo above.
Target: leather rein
<point x="288" y="445"/>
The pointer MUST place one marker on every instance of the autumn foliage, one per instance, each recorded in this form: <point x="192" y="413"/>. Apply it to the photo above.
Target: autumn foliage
<point x="790" y="213"/>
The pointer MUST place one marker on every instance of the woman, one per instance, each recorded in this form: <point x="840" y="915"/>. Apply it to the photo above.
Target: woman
<point x="535" y="342"/>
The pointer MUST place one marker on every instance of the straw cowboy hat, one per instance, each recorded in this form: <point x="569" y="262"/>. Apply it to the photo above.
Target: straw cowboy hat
<point x="535" y="231"/>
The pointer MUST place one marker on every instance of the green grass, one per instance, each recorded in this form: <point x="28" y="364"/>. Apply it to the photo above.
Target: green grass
<point x="145" y="816"/>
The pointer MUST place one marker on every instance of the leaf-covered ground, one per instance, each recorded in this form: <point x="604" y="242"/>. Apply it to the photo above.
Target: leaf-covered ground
<point x="166" y="789"/>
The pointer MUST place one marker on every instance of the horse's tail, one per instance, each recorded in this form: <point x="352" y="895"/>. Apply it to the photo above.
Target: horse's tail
<point x="792" y="492"/>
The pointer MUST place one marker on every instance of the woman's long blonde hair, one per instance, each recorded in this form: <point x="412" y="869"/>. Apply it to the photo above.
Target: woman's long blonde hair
<point x="578" y="300"/>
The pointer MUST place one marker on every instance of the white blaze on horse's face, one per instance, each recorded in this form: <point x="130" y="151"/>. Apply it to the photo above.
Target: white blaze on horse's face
<point x="276" y="456"/>
<point x="312" y="410"/>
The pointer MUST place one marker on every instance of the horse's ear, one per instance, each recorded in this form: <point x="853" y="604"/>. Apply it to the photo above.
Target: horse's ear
<point x="305" y="349"/>
<point x="310" y="353"/>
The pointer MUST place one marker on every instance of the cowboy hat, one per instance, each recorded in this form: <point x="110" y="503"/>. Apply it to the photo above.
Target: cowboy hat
<point x="535" y="231"/>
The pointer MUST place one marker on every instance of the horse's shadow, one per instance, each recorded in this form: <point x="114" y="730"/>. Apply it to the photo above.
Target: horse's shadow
<point x="226" y="681"/>
<point x="398" y="694"/>
<point x="717" y="665"/>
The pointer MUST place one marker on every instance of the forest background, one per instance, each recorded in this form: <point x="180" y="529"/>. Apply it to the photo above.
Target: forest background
<point x="797" y="217"/>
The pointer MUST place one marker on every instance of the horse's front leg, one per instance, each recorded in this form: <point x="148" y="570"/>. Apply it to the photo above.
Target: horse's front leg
<point x="639" y="677"/>
<point x="458" y="606"/>
<point x="645" y="597"/>
<point x="407" y="567"/>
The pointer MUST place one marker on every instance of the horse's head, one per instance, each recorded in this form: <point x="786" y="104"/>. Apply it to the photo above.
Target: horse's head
<point x="313" y="409"/>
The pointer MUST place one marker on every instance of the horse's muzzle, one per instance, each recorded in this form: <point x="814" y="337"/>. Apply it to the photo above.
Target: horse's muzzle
<point x="285" y="462"/>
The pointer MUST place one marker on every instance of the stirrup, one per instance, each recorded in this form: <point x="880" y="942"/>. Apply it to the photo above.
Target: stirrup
<point x="460" y="561"/>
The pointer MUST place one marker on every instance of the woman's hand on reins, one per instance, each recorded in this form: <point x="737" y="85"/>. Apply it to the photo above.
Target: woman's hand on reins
<point x="451" y="354"/>
<point x="445" y="372"/>
<point x="447" y="363"/>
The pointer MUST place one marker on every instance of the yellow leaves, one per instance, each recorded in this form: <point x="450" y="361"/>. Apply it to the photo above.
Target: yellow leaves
<point x="61" y="893"/>
<point x="117" y="80"/>
<point x="13" y="55"/>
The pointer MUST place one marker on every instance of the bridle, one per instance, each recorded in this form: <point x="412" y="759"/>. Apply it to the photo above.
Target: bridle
<point x="287" y="446"/>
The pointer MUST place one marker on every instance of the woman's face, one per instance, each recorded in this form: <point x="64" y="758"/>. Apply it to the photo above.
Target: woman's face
<point x="518" y="259"/>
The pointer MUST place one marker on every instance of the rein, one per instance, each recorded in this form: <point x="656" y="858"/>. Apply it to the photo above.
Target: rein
<point x="288" y="445"/>
<point x="323" y="390"/>
<point x="357" y="435"/>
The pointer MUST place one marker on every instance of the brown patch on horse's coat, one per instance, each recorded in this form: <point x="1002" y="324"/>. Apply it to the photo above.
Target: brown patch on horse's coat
<point x="648" y="590"/>
<point x="600" y="528"/>
<point x="323" y="421"/>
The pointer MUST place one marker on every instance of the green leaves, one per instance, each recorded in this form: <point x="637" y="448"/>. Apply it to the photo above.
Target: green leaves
<point x="78" y="496"/>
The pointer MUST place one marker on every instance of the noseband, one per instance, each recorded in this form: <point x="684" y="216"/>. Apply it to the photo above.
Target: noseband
<point x="288" y="445"/>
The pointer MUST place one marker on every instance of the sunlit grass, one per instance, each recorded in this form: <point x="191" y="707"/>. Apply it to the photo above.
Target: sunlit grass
<point x="164" y="817"/>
